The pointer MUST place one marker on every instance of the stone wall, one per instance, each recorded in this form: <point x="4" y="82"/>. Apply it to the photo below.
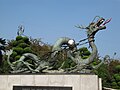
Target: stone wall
<point x="77" y="82"/>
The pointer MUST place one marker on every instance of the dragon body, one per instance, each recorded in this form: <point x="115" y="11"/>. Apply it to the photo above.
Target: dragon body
<point x="40" y="66"/>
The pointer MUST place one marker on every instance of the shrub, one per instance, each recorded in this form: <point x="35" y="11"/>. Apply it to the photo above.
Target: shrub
<point x="20" y="41"/>
<point x="94" y="63"/>
<point x="113" y="80"/>
<point x="26" y="40"/>
<point x="14" y="43"/>
<point x="19" y="38"/>
<point x="17" y="57"/>
<point x="84" y="52"/>
<point x="117" y="68"/>
<point x="84" y="57"/>
<point x="112" y="66"/>
<point x="27" y="50"/>
<point x="19" y="50"/>
<point x="117" y="77"/>
<point x="83" y="49"/>
<point x="14" y="54"/>
<point x="114" y="84"/>
<point x="119" y="83"/>
<point x="68" y="63"/>
<point x="5" y="68"/>
<point x="23" y="45"/>
<point x="87" y="53"/>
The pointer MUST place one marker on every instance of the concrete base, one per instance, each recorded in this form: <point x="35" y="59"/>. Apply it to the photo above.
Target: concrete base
<point x="77" y="82"/>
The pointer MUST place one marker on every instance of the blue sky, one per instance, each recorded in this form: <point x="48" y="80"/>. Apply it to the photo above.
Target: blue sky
<point x="51" y="19"/>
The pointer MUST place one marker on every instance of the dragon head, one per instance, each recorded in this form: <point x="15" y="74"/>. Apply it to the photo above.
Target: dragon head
<point x="94" y="27"/>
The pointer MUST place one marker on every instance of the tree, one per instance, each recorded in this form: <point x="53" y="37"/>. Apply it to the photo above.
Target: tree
<point x="2" y="48"/>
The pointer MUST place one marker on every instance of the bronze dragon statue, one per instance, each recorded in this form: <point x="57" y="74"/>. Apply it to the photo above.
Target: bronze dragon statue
<point x="42" y="66"/>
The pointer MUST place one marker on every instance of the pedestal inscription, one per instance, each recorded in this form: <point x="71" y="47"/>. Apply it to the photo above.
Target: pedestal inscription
<point x="41" y="88"/>
<point x="50" y="82"/>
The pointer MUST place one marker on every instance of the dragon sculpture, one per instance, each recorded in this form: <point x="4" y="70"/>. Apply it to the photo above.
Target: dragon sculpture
<point x="42" y="66"/>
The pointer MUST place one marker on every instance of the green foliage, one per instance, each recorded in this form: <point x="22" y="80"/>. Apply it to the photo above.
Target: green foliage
<point x="84" y="57"/>
<point x="119" y="83"/>
<point x="39" y="48"/>
<point x="14" y="54"/>
<point x="23" y="45"/>
<point x="117" y="77"/>
<point x="68" y="63"/>
<point x="19" y="50"/>
<point x="17" y="57"/>
<point x="26" y="40"/>
<point x="4" y="67"/>
<point x="110" y="74"/>
<point x="94" y="63"/>
<point x="84" y="52"/>
<point x="20" y="46"/>
<point x="116" y="87"/>
<point x="27" y="50"/>
<point x="114" y="84"/>
<point x="14" y="43"/>
<point x="113" y="65"/>
<point x="103" y="73"/>
<point x="117" y="68"/>
<point x="19" y="38"/>
<point x="20" y="41"/>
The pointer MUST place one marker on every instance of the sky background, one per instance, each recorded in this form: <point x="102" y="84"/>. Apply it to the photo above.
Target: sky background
<point x="51" y="19"/>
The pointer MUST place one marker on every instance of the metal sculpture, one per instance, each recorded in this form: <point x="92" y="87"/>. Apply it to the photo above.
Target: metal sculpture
<point x="92" y="29"/>
<point x="42" y="66"/>
<point x="63" y="41"/>
<point x="20" y="30"/>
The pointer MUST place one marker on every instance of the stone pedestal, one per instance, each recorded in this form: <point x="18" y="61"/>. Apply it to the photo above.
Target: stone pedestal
<point x="77" y="82"/>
